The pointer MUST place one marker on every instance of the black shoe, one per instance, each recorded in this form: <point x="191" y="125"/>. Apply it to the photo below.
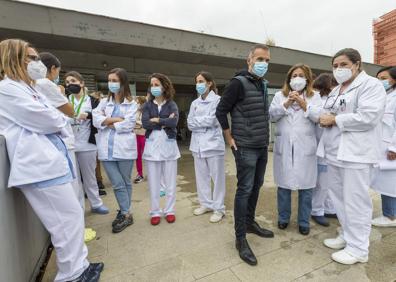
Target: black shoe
<point x="138" y="179"/>
<point x="102" y="192"/>
<point x="245" y="253"/>
<point x="124" y="222"/>
<point x="330" y="215"/>
<point x="117" y="219"/>
<point x="303" y="230"/>
<point x="89" y="275"/>
<point x="100" y="185"/>
<point x="321" y="220"/>
<point x="282" y="225"/>
<point x="98" y="266"/>
<point x="256" y="229"/>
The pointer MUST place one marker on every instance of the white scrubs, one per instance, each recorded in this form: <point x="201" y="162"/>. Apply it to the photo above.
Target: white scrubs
<point x="55" y="97"/>
<point x="160" y="155"/>
<point x="321" y="202"/>
<point x="384" y="180"/>
<point x="351" y="148"/>
<point x="207" y="146"/>
<point x="86" y="152"/>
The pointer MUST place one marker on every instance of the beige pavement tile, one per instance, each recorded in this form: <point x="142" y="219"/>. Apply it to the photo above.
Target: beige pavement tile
<point x="221" y="276"/>
<point x="284" y="264"/>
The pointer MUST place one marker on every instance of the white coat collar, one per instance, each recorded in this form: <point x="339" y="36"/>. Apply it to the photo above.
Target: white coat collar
<point x="362" y="77"/>
<point x="125" y="102"/>
<point x="392" y="93"/>
<point x="210" y="98"/>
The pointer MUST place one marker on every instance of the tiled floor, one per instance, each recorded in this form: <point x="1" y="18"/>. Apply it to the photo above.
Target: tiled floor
<point x="194" y="249"/>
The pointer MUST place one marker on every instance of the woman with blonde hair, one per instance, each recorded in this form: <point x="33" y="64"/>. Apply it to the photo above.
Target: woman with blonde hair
<point x="40" y="164"/>
<point x="295" y="163"/>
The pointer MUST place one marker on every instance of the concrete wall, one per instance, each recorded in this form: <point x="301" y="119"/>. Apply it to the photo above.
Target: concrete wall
<point x="23" y="240"/>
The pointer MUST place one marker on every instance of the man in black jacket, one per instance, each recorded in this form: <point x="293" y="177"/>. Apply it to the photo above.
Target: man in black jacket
<point x="245" y="98"/>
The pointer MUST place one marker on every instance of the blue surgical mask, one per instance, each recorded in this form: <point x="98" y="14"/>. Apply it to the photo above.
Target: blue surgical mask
<point x="260" y="68"/>
<point x="114" y="87"/>
<point x="386" y="84"/>
<point x="56" y="80"/>
<point x="156" y="91"/>
<point x="201" y="88"/>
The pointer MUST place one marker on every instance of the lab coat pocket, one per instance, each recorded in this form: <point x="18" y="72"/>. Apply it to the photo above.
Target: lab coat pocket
<point x="388" y="127"/>
<point x="170" y="148"/>
<point x="310" y="145"/>
<point x="278" y="146"/>
<point x="125" y="141"/>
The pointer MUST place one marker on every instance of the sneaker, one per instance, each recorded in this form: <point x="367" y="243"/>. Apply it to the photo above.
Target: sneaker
<point x="216" y="216"/>
<point x="155" y="220"/>
<point x="100" y="210"/>
<point x="336" y="243"/>
<point x="383" y="221"/>
<point x="138" y="179"/>
<point x="100" y="185"/>
<point x="117" y="219"/>
<point x="102" y="192"/>
<point x="330" y="215"/>
<point x="124" y="221"/>
<point x="201" y="210"/>
<point x="91" y="273"/>
<point x="321" y="220"/>
<point x="344" y="257"/>
<point x="162" y="193"/>
<point x="89" y="234"/>
<point x="170" y="218"/>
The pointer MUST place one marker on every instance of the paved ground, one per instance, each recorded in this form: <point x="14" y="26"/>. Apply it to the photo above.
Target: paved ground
<point x="192" y="249"/>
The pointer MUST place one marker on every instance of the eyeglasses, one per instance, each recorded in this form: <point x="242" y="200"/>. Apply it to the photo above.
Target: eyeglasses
<point x="34" y="57"/>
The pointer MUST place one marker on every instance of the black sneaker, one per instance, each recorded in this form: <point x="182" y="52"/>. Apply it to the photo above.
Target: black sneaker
<point x="100" y="185"/>
<point x="117" y="219"/>
<point x="102" y="192"/>
<point x="124" y="222"/>
<point x="138" y="179"/>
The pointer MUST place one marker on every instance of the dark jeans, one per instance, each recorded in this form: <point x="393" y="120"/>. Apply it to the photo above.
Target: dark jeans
<point x="304" y="206"/>
<point x="250" y="165"/>
<point x="388" y="206"/>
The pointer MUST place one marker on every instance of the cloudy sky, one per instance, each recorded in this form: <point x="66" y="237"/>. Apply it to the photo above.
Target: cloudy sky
<point x="316" y="26"/>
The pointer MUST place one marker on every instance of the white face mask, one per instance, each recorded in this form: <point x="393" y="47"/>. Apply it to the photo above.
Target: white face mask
<point x="36" y="70"/>
<point x="342" y="74"/>
<point x="298" y="83"/>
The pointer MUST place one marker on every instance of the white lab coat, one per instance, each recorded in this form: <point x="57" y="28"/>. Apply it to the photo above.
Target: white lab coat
<point x="384" y="180"/>
<point x="356" y="138"/>
<point x="295" y="162"/>
<point x="124" y="138"/>
<point x="54" y="96"/>
<point x="351" y="147"/>
<point x="207" y="137"/>
<point x="25" y="118"/>
<point x="82" y="128"/>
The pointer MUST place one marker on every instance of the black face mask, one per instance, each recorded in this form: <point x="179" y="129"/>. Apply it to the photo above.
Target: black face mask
<point x="73" y="89"/>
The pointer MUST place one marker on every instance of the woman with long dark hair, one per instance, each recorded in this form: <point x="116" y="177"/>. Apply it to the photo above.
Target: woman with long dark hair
<point x="116" y="141"/>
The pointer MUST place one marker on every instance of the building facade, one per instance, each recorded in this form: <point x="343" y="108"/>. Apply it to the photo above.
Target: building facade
<point x="384" y="31"/>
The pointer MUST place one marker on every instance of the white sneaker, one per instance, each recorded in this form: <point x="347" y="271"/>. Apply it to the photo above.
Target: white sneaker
<point x="346" y="258"/>
<point x="216" y="216"/>
<point x="336" y="243"/>
<point x="383" y="221"/>
<point x="201" y="210"/>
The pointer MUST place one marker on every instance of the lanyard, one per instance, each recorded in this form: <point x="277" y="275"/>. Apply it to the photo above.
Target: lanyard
<point x="79" y="105"/>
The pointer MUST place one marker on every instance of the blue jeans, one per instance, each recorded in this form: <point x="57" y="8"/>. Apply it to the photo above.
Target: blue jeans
<point x="250" y="165"/>
<point x="304" y="206"/>
<point x="388" y="206"/>
<point x="119" y="173"/>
